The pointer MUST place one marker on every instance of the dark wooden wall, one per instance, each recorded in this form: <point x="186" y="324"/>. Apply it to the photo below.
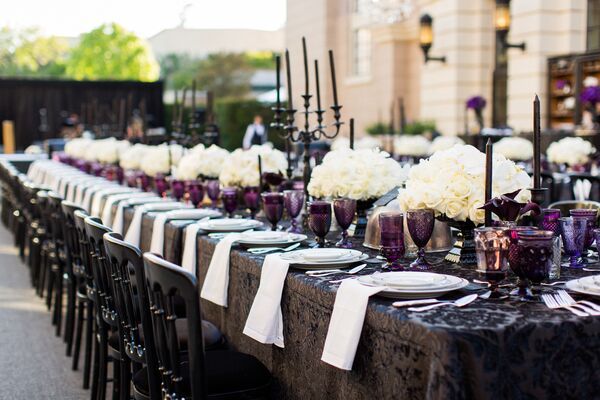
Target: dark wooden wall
<point x="21" y="100"/>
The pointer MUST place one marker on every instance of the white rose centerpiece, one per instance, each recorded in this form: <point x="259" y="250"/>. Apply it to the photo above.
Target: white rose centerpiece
<point x="570" y="151"/>
<point x="452" y="183"/>
<point x="356" y="174"/>
<point x="159" y="159"/>
<point x="514" y="148"/>
<point x="240" y="168"/>
<point x="444" y="142"/>
<point x="415" y="146"/>
<point x="200" y="161"/>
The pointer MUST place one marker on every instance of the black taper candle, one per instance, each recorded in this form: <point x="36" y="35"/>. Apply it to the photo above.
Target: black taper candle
<point x="278" y="79"/>
<point x="333" y="81"/>
<point x="317" y="85"/>
<point x="489" y="157"/>
<point x="288" y="70"/>
<point x="304" y="53"/>
<point x="352" y="133"/>
<point x="537" y="157"/>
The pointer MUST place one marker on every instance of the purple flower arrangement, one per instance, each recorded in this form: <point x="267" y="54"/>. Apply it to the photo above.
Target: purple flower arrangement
<point x="476" y="103"/>
<point x="590" y="95"/>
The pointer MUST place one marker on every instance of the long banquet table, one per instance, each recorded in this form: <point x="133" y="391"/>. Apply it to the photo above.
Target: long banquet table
<point x="490" y="349"/>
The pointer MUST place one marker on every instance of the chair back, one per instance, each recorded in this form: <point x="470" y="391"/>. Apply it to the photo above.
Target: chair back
<point x="101" y="271"/>
<point x="164" y="282"/>
<point x="56" y="217"/>
<point x="593" y="179"/>
<point x="70" y="232"/>
<point x="133" y="306"/>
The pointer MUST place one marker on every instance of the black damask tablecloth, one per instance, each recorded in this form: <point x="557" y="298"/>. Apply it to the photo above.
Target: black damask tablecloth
<point x="488" y="350"/>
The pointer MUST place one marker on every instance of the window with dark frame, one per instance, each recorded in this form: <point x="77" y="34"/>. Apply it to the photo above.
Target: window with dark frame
<point x="593" y="25"/>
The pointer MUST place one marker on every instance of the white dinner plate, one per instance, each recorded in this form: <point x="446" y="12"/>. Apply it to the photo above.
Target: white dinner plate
<point x="297" y="259"/>
<point x="229" y="225"/>
<point x="589" y="285"/>
<point x="395" y="293"/>
<point x="415" y="280"/>
<point x="270" y="239"/>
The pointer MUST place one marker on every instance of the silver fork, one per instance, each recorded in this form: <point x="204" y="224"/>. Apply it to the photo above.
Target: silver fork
<point x="550" y="302"/>
<point x="567" y="297"/>
<point x="264" y="250"/>
<point x="352" y="271"/>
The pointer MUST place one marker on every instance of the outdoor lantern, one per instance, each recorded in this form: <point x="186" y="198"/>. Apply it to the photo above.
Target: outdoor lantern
<point x="502" y="24"/>
<point x="426" y="38"/>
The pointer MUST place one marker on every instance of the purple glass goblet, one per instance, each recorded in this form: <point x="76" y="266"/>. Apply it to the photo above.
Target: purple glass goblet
<point x="391" y="225"/>
<point x="344" y="210"/>
<point x="535" y="254"/>
<point x="131" y="178"/>
<point x="492" y="248"/>
<point x="213" y="190"/>
<point x="177" y="189"/>
<point x="293" y="201"/>
<point x="195" y="191"/>
<point x="161" y="185"/>
<point x="97" y="169"/>
<point x="252" y="199"/>
<point x="522" y="290"/>
<point x="550" y="220"/>
<point x="273" y="207"/>
<point x="591" y="216"/>
<point x="144" y="181"/>
<point x="230" y="200"/>
<point x="420" y="224"/>
<point x="574" y="232"/>
<point x="319" y="220"/>
<point x="120" y="174"/>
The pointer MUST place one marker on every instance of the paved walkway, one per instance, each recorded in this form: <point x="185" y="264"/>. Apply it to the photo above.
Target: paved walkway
<point x="33" y="364"/>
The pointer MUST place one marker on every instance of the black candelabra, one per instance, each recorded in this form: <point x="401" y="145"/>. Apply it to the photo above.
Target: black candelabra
<point x="306" y="134"/>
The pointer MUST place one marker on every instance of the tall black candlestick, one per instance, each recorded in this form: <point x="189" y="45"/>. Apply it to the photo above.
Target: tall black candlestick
<point x="288" y="153"/>
<point x="278" y="81"/>
<point x="537" y="158"/>
<point x="352" y="133"/>
<point x="333" y="82"/>
<point x="305" y="65"/>
<point x="317" y="85"/>
<point x="288" y="70"/>
<point x="489" y="157"/>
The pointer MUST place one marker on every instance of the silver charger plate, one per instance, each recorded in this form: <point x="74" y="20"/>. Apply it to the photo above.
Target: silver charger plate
<point x="410" y="294"/>
<point x="286" y="239"/>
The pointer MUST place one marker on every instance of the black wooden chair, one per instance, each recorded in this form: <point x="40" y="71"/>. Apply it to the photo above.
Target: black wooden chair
<point x="194" y="374"/>
<point x="593" y="179"/>
<point x="86" y="300"/>
<point x="137" y="337"/>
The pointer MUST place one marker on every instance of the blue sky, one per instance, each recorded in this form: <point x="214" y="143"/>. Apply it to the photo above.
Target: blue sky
<point x="144" y="17"/>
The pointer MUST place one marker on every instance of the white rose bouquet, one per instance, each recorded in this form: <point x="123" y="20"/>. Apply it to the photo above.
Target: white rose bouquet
<point x="444" y="142"/>
<point x="570" y="151"/>
<point x="160" y="159"/>
<point x="514" y="148"/>
<point x="412" y="145"/>
<point x="133" y="155"/>
<point x="365" y="142"/>
<point x="240" y="168"/>
<point x="452" y="183"/>
<point x="357" y="174"/>
<point x="207" y="162"/>
<point x="109" y="151"/>
<point x="77" y="148"/>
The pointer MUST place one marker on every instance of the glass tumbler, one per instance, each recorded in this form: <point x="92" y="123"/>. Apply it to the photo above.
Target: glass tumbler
<point x="574" y="235"/>
<point x="492" y="247"/>
<point x="391" y="226"/>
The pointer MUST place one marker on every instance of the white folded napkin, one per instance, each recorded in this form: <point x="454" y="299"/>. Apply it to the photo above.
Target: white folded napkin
<point x="72" y="189"/>
<point x="188" y="259"/>
<point x="581" y="189"/>
<point x="96" y="208"/>
<point x="158" y="228"/>
<point x="134" y="232"/>
<point x="116" y="198"/>
<point x="265" y="320"/>
<point x="346" y="323"/>
<point x="89" y="193"/>
<point x="117" y="223"/>
<point x="216" y="282"/>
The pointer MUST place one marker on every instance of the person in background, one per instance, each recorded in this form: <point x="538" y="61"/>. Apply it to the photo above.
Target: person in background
<point x="255" y="133"/>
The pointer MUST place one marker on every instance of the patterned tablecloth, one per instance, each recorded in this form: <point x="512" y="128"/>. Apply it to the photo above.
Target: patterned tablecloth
<point x="488" y="350"/>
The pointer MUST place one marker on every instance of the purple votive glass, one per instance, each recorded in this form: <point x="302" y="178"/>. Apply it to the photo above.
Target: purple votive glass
<point x="574" y="235"/>
<point x="550" y="220"/>
<point x="591" y="215"/>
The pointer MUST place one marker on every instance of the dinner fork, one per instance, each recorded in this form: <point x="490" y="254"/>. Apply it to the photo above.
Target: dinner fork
<point x="550" y="302"/>
<point x="352" y="271"/>
<point x="567" y="297"/>
<point x="264" y="250"/>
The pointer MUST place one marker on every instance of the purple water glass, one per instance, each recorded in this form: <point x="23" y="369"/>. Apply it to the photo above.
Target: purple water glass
<point x="344" y="210"/>
<point x="293" y="201"/>
<point x="536" y="254"/>
<point x="96" y="169"/>
<point x="550" y="220"/>
<point x="252" y="199"/>
<point x="195" y="192"/>
<point x="591" y="215"/>
<point x="420" y="224"/>
<point x="574" y="236"/>
<point x="229" y="195"/>
<point x="391" y="226"/>
<point x="120" y="174"/>
<point x="492" y="248"/>
<point x="161" y="185"/>
<point x="144" y="181"/>
<point x="273" y="207"/>
<point x="177" y="189"/>
<point x="131" y="178"/>
<point x="319" y="220"/>
<point x="213" y="189"/>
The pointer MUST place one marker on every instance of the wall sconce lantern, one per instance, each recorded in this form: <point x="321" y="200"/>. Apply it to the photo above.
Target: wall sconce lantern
<point x="426" y="38"/>
<point x="502" y="24"/>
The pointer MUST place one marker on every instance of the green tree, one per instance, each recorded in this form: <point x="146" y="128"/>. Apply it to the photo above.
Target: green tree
<point x="111" y="52"/>
<point x="178" y="70"/>
<point x="225" y="74"/>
